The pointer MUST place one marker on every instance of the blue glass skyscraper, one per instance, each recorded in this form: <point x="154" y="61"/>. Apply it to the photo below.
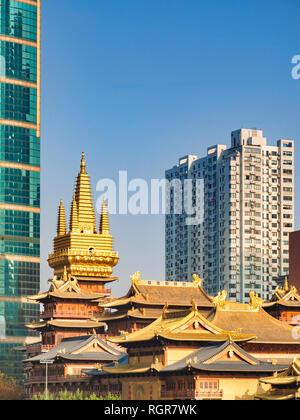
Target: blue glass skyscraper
<point x="20" y="82"/>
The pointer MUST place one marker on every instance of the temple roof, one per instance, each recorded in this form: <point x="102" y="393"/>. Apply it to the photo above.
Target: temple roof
<point x="86" y="348"/>
<point x="252" y="320"/>
<point x="144" y="313"/>
<point x="69" y="323"/>
<point x="143" y="292"/>
<point x="284" y="385"/>
<point x="288" y="297"/>
<point x="289" y="376"/>
<point x="223" y="357"/>
<point x="66" y="287"/>
<point x="187" y="325"/>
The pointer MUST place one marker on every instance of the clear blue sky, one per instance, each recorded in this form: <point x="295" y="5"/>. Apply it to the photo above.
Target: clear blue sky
<point x="137" y="84"/>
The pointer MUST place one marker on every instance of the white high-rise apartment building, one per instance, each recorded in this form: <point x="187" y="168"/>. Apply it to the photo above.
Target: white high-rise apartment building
<point x="242" y="244"/>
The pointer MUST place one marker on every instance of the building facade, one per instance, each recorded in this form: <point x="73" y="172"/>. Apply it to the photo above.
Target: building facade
<point x="20" y="43"/>
<point x="294" y="274"/>
<point x="246" y="197"/>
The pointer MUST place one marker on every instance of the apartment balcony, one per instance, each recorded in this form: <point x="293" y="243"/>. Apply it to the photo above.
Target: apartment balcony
<point x="192" y="395"/>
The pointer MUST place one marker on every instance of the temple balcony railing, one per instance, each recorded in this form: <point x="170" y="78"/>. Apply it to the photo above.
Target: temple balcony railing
<point x="56" y="379"/>
<point x="192" y="395"/>
<point x="83" y="253"/>
<point x="67" y="314"/>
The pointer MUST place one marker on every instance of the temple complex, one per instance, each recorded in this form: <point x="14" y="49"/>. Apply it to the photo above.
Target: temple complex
<point x="182" y="355"/>
<point x="145" y="301"/>
<point x="162" y="340"/>
<point x="285" y="304"/>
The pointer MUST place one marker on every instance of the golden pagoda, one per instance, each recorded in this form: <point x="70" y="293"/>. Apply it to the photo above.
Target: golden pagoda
<point x="83" y="260"/>
<point x="85" y="252"/>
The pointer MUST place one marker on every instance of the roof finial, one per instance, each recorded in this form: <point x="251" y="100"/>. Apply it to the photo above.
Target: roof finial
<point x="83" y="163"/>
<point x="74" y="225"/>
<point x="85" y="208"/>
<point x="104" y="219"/>
<point x="286" y="285"/>
<point x="194" y="305"/>
<point x="65" y="276"/>
<point x="61" y="223"/>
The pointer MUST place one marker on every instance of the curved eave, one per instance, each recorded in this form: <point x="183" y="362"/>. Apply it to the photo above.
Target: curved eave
<point x="207" y="338"/>
<point x="36" y="326"/>
<point x="115" y="304"/>
<point x="276" y="396"/>
<point x="284" y="304"/>
<point x="112" y="318"/>
<point x="283" y="343"/>
<point x="204" y="338"/>
<point x="97" y="279"/>
<point x="129" y="315"/>
<point x="38" y="298"/>
<point x="97" y="358"/>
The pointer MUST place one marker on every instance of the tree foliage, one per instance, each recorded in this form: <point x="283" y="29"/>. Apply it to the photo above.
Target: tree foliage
<point x="10" y="389"/>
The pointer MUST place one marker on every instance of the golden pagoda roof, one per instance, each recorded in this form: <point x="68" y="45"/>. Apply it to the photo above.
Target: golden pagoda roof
<point x="104" y="220"/>
<point x="61" y="223"/>
<point x="82" y="250"/>
<point x="148" y="293"/>
<point x="187" y="325"/>
<point x="252" y="320"/>
<point x="83" y="195"/>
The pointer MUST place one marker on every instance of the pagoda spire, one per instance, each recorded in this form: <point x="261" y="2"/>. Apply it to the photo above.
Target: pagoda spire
<point x="104" y="220"/>
<point x="74" y="225"/>
<point x="286" y="285"/>
<point x="61" y="223"/>
<point x="85" y="209"/>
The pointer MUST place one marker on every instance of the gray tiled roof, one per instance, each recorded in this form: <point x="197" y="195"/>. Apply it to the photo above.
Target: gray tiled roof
<point x="68" y="346"/>
<point x="204" y="354"/>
